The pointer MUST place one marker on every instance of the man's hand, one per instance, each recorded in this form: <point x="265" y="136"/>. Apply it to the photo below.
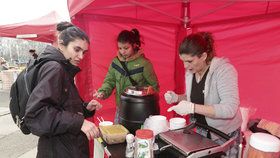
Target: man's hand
<point x="183" y="108"/>
<point x="171" y="97"/>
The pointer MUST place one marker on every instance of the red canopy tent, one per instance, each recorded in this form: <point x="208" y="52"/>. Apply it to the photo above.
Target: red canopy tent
<point x="246" y="32"/>
<point x="36" y="19"/>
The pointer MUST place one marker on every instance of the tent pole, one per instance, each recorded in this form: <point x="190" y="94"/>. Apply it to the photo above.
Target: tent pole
<point x="121" y="5"/>
<point x="186" y="13"/>
<point x="156" y="10"/>
<point x="213" y="10"/>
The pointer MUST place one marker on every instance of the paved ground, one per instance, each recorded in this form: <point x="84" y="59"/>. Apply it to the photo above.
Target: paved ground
<point x="13" y="144"/>
<point x="4" y="98"/>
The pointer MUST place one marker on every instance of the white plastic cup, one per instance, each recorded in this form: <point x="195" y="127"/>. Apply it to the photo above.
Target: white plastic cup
<point x="105" y="123"/>
<point x="176" y="123"/>
<point x="158" y="119"/>
<point x="159" y="122"/>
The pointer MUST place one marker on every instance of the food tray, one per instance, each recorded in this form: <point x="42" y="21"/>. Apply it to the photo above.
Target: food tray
<point x="113" y="134"/>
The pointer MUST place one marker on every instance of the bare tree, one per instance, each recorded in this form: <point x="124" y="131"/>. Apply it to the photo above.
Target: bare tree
<point x="17" y="50"/>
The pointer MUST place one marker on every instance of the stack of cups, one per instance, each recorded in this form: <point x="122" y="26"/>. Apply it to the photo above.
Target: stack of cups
<point x="157" y="123"/>
<point x="176" y="123"/>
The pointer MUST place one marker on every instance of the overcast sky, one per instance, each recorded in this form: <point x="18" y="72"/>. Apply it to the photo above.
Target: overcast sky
<point x="16" y="11"/>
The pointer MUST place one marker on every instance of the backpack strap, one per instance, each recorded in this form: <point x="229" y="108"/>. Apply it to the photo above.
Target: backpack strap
<point x="132" y="81"/>
<point x="39" y="63"/>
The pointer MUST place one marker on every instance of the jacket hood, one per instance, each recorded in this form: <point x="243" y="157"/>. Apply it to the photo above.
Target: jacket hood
<point x="51" y="52"/>
<point x="133" y="57"/>
<point x="217" y="62"/>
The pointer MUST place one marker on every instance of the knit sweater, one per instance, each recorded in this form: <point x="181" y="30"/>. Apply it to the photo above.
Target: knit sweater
<point x="221" y="92"/>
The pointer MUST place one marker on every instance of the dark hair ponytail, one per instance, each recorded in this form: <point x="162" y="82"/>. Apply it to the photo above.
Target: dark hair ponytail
<point x="63" y="25"/>
<point x="132" y="37"/>
<point x="210" y="43"/>
<point x="71" y="33"/>
<point x="198" y="43"/>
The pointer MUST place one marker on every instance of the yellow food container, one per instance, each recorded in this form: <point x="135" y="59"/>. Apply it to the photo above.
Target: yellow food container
<point x="113" y="134"/>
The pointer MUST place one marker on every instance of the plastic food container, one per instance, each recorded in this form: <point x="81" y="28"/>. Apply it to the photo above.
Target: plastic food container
<point x="263" y="145"/>
<point x="139" y="91"/>
<point x="113" y="134"/>
<point x="144" y="143"/>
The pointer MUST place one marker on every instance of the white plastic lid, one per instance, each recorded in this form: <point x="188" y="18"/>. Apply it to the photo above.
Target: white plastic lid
<point x="265" y="142"/>
<point x="105" y="123"/>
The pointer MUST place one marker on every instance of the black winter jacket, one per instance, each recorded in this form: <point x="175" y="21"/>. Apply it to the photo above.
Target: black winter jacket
<point x="55" y="111"/>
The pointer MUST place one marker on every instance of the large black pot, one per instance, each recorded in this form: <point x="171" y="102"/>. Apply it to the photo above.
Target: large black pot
<point x="135" y="109"/>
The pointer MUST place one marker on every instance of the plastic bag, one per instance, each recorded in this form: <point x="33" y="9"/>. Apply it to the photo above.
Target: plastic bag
<point x="156" y="123"/>
<point x="246" y="113"/>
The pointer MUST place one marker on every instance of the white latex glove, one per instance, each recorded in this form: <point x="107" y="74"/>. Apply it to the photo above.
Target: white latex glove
<point x="171" y="97"/>
<point x="183" y="108"/>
